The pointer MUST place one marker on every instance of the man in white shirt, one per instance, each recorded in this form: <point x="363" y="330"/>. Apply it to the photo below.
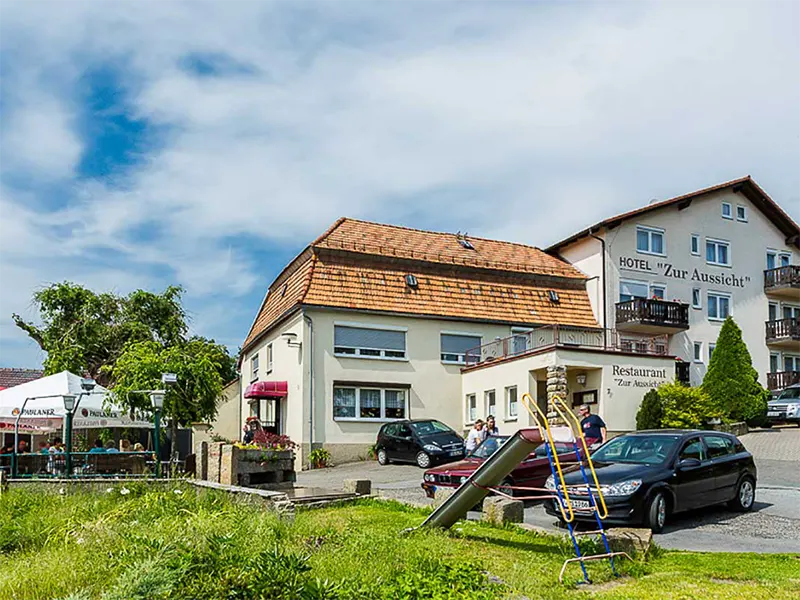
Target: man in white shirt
<point x="475" y="437"/>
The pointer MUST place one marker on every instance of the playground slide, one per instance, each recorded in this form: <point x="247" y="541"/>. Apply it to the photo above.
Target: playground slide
<point x="490" y="474"/>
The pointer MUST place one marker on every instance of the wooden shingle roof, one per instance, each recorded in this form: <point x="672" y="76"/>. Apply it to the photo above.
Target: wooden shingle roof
<point x="360" y="265"/>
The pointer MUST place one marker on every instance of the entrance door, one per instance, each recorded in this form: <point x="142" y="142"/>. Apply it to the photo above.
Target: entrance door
<point x="541" y="395"/>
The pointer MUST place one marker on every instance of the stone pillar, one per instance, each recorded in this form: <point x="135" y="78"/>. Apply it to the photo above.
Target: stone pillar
<point x="201" y="451"/>
<point x="228" y="467"/>
<point x="556" y="388"/>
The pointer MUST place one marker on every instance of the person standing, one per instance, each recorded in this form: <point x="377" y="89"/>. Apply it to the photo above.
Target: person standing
<point x="594" y="428"/>
<point x="491" y="427"/>
<point x="476" y="436"/>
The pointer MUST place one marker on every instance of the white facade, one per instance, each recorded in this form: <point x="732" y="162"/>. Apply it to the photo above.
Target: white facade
<point x="710" y="255"/>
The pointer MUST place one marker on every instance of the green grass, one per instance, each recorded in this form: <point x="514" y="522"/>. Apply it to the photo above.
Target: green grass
<point x="152" y="545"/>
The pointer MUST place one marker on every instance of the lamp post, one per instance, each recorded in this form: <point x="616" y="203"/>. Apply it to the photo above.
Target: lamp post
<point x="69" y="408"/>
<point x="157" y="400"/>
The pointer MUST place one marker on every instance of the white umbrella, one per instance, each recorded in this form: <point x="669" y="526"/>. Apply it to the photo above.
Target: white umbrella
<point x="44" y="410"/>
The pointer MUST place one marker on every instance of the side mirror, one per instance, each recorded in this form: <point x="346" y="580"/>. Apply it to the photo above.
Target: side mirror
<point x="688" y="463"/>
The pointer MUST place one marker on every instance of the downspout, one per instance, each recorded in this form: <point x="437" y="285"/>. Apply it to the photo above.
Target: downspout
<point x="603" y="290"/>
<point x="310" y="323"/>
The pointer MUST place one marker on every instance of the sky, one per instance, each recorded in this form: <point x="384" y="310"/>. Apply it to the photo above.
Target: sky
<point x="146" y="143"/>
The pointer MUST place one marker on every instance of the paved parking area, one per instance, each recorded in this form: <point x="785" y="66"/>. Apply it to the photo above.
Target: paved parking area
<point x="777" y="443"/>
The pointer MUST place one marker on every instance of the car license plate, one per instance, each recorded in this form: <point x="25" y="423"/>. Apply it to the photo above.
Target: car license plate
<point x="773" y="414"/>
<point x="454" y="453"/>
<point x="580" y="503"/>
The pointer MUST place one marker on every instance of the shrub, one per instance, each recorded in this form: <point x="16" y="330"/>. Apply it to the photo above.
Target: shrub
<point x="651" y="411"/>
<point x="685" y="407"/>
<point x="731" y="382"/>
<point x="319" y="458"/>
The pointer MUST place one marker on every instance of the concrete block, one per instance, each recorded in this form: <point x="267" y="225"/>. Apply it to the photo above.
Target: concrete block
<point x="633" y="540"/>
<point x="442" y="494"/>
<point x="497" y="510"/>
<point x="362" y="487"/>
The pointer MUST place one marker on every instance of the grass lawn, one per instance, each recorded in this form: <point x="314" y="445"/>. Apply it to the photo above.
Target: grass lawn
<point x="149" y="545"/>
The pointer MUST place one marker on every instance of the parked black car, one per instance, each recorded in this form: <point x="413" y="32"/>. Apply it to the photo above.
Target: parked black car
<point x="420" y="441"/>
<point x="649" y="475"/>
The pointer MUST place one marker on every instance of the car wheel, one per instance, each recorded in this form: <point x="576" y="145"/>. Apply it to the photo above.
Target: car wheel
<point x="383" y="458"/>
<point x="656" y="513"/>
<point x="745" y="495"/>
<point x="423" y="460"/>
<point x="503" y="487"/>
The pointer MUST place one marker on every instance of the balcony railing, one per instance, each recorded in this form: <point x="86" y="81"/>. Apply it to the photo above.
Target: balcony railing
<point x="782" y="379"/>
<point x="783" y="329"/>
<point x="563" y="336"/>
<point x="648" y="311"/>
<point x="782" y="277"/>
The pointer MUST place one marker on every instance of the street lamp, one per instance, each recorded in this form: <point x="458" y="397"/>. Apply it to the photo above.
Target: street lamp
<point x="157" y="400"/>
<point x="70" y="402"/>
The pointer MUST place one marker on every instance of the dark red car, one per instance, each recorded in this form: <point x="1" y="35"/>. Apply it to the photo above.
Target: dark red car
<point x="531" y="472"/>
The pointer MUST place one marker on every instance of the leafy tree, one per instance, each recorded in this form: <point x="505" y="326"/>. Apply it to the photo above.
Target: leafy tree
<point x="651" y="411"/>
<point x="685" y="407"/>
<point x="731" y="382"/>
<point x="83" y="331"/>
<point x="202" y="367"/>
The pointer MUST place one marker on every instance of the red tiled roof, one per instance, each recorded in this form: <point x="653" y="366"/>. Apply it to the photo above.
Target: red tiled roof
<point x="11" y="377"/>
<point x="362" y="266"/>
<point x="746" y="185"/>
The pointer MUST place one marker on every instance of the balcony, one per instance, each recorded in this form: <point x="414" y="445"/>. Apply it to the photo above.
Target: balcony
<point x="782" y="379"/>
<point x="783" y="281"/>
<point x="643" y="315"/>
<point x="784" y="333"/>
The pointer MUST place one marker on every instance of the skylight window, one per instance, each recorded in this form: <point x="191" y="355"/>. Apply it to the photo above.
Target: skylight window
<point x="465" y="243"/>
<point x="553" y="295"/>
<point x="411" y="281"/>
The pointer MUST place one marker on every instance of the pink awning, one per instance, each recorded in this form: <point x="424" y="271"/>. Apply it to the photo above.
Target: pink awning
<point x="267" y="389"/>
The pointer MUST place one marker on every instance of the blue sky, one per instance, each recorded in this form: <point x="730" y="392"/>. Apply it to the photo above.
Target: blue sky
<point x="144" y="144"/>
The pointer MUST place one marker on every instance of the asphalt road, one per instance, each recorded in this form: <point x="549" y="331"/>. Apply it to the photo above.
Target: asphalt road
<point x="772" y="526"/>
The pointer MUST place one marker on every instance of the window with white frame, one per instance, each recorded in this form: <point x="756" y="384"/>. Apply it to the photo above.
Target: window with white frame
<point x="472" y="408"/>
<point x="741" y="213"/>
<point x="771" y="259"/>
<point x="774" y="362"/>
<point x="491" y="402"/>
<point x="695" y="244"/>
<point x="719" y="306"/>
<point x="369" y="342"/>
<point x="649" y="240"/>
<point x="369" y="403"/>
<point x="711" y="351"/>
<point x="658" y="291"/>
<point x="698" y="352"/>
<point x="269" y="358"/>
<point x="784" y="259"/>
<point x="727" y="210"/>
<point x="521" y="339"/>
<point x="454" y="347"/>
<point x="697" y="298"/>
<point x="772" y="311"/>
<point x="791" y="362"/>
<point x="630" y="289"/>
<point x="718" y="252"/>
<point x="254" y="367"/>
<point x="790" y="312"/>
<point x="512" y="406"/>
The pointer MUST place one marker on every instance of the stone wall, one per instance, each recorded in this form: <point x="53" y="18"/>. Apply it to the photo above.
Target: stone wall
<point x="556" y="388"/>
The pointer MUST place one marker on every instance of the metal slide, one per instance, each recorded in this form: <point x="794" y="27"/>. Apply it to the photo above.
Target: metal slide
<point x="489" y="475"/>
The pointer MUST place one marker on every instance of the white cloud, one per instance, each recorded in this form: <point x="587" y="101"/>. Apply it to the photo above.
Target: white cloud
<point x="521" y="121"/>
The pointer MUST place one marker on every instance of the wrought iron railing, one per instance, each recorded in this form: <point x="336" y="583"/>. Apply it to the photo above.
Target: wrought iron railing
<point x="782" y="379"/>
<point x="783" y="329"/>
<point x="654" y="312"/>
<point x="786" y="276"/>
<point x="563" y="336"/>
<point x="84" y="464"/>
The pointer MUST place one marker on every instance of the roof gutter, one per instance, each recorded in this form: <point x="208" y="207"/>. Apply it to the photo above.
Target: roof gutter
<point x="603" y="250"/>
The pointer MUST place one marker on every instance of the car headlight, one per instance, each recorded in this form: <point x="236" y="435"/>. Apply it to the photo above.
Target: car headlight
<point x="550" y="484"/>
<point x="463" y="479"/>
<point x="428" y="477"/>
<point x="793" y="408"/>
<point x="624" y="488"/>
<point x="431" y="448"/>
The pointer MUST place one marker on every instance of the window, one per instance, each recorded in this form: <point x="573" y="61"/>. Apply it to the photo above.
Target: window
<point x="741" y="213"/>
<point x="269" y="358"/>
<point x="719" y="306"/>
<point x="649" y="240"/>
<point x="774" y="363"/>
<point x="790" y="312"/>
<point x="791" y="363"/>
<point x="772" y="311"/>
<point x="784" y="259"/>
<point x="454" y="347"/>
<point x="658" y="292"/>
<point x="491" y="403"/>
<point x="697" y="298"/>
<point x="698" y="352"/>
<point x="693" y="449"/>
<point x="254" y="367"/>
<point x="718" y="446"/>
<point x="726" y="210"/>
<point x="771" y="255"/>
<point x="695" y="247"/>
<point x="472" y="408"/>
<point x="255" y="406"/>
<point x="368" y="342"/>
<point x="628" y="290"/>
<point x="369" y="403"/>
<point x="711" y="351"/>
<point x="718" y="252"/>
<point x="511" y="402"/>
<point x="521" y="339"/>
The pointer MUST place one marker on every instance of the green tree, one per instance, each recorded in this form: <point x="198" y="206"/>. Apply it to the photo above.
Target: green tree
<point x="731" y="382"/>
<point x="685" y="407"/>
<point x="202" y="367"/>
<point x="651" y="411"/>
<point x="83" y="331"/>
